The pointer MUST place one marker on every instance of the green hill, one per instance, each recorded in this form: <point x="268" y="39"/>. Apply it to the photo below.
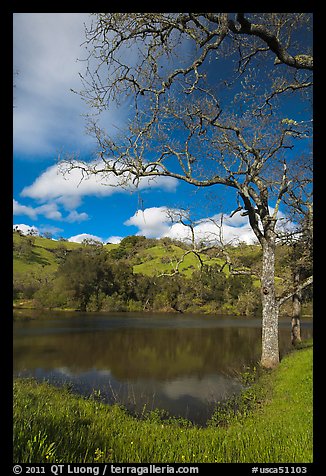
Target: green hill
<point x="38" y="255"/>
<point x="159" y="259"/>
<point x="135" y="275"/>
<point x="41" y="256"/>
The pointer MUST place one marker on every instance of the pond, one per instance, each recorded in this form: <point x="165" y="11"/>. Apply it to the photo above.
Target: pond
<point x="184" y="364"/>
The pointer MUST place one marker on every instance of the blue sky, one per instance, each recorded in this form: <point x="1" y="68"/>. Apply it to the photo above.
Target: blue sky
<point x="49" y="122"/>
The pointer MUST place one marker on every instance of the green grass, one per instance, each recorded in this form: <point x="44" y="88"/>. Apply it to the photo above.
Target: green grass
<point x="151" y="261"/>
<point x="152" y="264"/>
<point x="52" y="425"/>
<point x="42" y="261"/>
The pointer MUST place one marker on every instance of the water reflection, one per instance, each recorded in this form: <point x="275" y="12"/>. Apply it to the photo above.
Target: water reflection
<point x="181" y="364"/>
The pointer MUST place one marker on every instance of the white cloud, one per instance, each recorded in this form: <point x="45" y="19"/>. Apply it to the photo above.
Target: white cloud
<point x="19" y="209"/>
<point x="209" y="230"/>
<point x="156" y="223"/>
<point x="26" y="229"/>
<point x="284" y="224"/>
<point x="69" y="188"/>
<point x="114" y="239"/>
<point x="74" y="216"/>
<point x="48" y="116"/>
<point x="84" y="236"/>
<point x="152" y="222"/>
<point x="50" y="211"/>
<point x="47" y="113"/>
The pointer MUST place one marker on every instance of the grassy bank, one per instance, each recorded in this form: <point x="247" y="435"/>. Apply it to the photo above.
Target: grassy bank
<point x="52" y="425"/>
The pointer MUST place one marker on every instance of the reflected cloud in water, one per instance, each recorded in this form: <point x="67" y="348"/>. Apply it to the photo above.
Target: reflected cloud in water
<point x="184" y="365"/>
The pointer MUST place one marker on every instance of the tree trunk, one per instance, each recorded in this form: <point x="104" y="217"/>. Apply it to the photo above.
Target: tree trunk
<point x="296" y="313"/>
<point x="270" y="309"/>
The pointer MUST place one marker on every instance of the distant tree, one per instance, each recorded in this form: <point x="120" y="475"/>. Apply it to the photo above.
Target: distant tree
<point x="24" y="287"/>
<point x="60" y="251"/>
<point x="90" y="274"/>
<point x="119" y="253"/>
<point x="32" y="232"/>
<point x="132" y="241"/>
<point x="210" y="285"/>
<point x="17" y="230"/>
<point x="299" y="241"/>
<point x="48" y="235"/>
<point x="91" y="242"/>
<point x="86" y="273"/>
<point x="144" y="290"/>
<point x="124" y="279"/>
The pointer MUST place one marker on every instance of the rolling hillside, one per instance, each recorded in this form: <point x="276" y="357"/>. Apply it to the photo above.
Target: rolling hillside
<point x="136" y="276"/>
<point x="45" y="254"/>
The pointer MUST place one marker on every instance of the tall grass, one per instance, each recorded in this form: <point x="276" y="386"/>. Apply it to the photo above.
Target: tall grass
<point x="53" y="425"/>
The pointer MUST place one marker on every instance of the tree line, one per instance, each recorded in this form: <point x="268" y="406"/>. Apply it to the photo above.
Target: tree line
<point x="91" y="278"/>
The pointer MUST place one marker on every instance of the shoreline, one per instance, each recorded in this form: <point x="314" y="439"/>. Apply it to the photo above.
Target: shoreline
<point x="76" y="429"/>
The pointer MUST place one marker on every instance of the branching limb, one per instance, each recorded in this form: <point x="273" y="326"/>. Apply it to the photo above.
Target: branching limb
<point x="281" y="300"/>
<point x="245" y="27"/>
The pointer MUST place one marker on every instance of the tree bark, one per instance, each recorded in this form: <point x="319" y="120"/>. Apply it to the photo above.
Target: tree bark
<point x="270" y="310"/>
<point x="296" y="313"/>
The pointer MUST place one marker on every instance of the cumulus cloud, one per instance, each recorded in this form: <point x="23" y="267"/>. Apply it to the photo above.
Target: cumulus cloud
<point x="156" y="222"/>
<point x="84" y="236"/>
<point x="69" y="188"/>
<point x="47" y="114"/>
<point x="74" y="216"/>
<point x="19" y="209"/>
<point x="152" y="222"/>
<point x="50" y="211"/>
<point x="214" y="230"/>
<point x="26" y="229"/>
<point x="114" y="239"/>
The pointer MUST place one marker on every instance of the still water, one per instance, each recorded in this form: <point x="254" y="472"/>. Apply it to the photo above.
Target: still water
<point x="181" y="364"/>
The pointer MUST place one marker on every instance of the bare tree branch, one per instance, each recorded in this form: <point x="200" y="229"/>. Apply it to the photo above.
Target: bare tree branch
<point x="281" y="300"/>
<point x="300" y="61"/>
<point x="198" y="115"/>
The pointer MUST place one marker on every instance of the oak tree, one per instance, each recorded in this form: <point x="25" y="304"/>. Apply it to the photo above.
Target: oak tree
<point x="214" y="100"/>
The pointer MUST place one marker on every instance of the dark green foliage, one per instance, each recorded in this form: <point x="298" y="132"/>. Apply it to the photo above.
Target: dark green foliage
<point x="119" y="253"/>
<point x="92" y="280"/>
<point x="24" y="288"/>
<point x="90" y="274"/>
<point x="132" y="241"/>
<point x="211" y="284"/>
<point x="247" y="256"/>
<point x="238" y="284"/>
<point x="60" y="252"/>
